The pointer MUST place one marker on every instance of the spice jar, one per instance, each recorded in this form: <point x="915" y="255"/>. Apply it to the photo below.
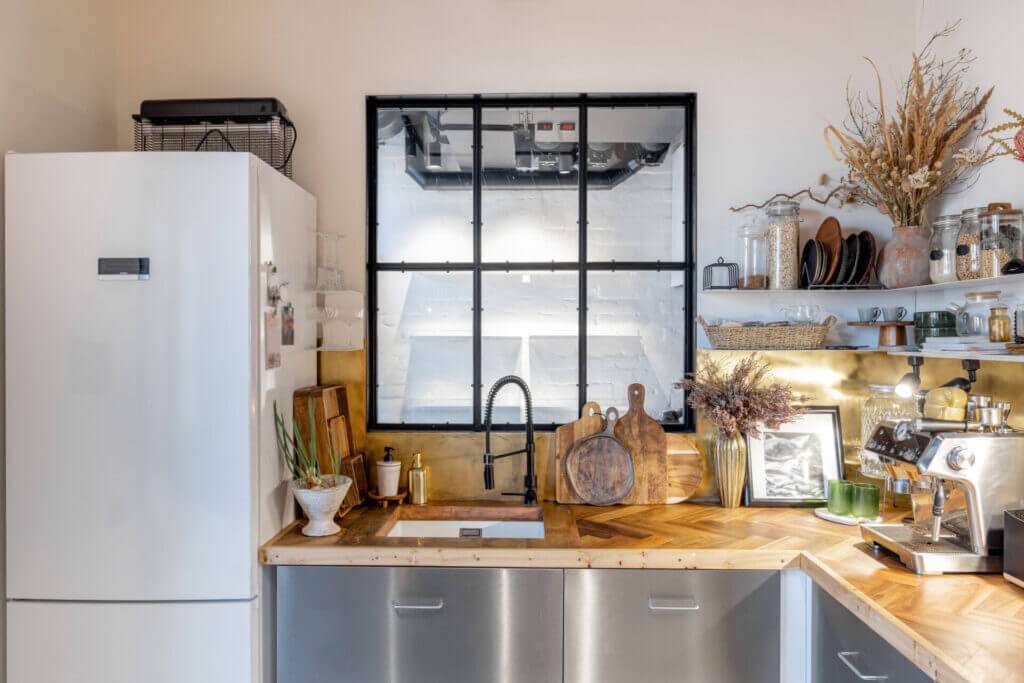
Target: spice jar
<point x="783" y="237"/>
<point x="1000" y="240"/>
<point x="882" y="404"/>
<point x="968" y="245"/>
<point x="999" y="324"/>
<point x="942" y="249"/>
<point x="752" y="257"/>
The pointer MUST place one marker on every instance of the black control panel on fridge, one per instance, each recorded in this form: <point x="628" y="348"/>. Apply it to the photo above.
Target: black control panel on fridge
<point x="884" y="443"/>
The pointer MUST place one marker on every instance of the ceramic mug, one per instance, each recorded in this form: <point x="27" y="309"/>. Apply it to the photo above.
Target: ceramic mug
<point x="869" y="314"/>
<point x="892" y="314"/>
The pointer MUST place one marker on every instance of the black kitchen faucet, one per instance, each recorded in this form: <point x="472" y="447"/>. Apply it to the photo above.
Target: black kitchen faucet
<point x="530" y="480"/>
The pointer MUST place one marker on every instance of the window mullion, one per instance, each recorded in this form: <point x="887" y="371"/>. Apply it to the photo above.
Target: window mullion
<point x="477" y="258"/>
<point x="582" y="223"/>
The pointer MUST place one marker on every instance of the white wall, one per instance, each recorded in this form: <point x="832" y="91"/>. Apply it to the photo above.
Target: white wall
<point x="768" y="76"/>
<point x="56" y="75"/>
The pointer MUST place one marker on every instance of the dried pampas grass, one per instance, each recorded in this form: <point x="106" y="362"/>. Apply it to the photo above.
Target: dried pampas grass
<point x="901" y="162"/>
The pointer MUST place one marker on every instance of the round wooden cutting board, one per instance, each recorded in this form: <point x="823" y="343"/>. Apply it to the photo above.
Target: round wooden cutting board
<point x="599" y="468"/>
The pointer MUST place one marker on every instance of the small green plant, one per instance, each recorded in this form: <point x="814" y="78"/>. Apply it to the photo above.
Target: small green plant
<point x="301" y="458"/>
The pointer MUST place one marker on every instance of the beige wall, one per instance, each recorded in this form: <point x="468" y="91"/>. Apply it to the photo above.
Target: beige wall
<point x="56" y="90"/>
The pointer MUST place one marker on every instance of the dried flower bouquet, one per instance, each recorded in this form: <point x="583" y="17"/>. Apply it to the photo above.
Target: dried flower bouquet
<point x="902" y="162"/>
<point x="740" y="399"/>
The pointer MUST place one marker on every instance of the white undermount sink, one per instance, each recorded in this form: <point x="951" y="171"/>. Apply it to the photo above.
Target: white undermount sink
<point x="465" y="521"/>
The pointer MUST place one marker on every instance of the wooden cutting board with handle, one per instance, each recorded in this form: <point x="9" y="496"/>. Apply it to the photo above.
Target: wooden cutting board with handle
<point x="600" y="468"/>
<point x="643" y="436"/>
<point x="591" y="422"/>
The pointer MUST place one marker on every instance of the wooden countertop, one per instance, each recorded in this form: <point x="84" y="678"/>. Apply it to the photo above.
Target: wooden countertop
<point x="954" y="627"/>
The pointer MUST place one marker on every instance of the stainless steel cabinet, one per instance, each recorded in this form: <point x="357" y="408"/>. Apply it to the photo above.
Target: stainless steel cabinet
<point x="845" y="649"/>
<point x="668" y="625"/>
<point x="365" y="624"/>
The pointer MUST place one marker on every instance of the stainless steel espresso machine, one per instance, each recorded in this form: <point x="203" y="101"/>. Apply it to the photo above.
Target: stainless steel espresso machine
<point x="979" y="462"/>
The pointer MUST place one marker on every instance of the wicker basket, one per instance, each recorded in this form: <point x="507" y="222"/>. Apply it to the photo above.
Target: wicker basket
<point x="765" y="337"/>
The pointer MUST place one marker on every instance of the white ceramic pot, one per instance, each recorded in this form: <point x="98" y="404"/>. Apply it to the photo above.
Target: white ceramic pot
<point x="387" y="477"/>
<point x="320" y="505"/>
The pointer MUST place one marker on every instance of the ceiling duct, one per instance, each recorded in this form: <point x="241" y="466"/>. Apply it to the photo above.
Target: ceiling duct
<point x="525" y="154"/>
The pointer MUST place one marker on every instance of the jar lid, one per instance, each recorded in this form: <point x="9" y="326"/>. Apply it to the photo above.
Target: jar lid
<point x="982" y="296"/>
<point x="996" y="309"/>
<point x="882" y="388"/>
<point x="973" y="212"/>
<point x="1001" y="213"/>
<point x="782" y="206"/>
<point x="948" y="221"/>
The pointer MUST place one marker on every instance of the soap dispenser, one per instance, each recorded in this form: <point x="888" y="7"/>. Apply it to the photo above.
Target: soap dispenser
<point x="417" y="481"/>
<point x="388" y="470"/>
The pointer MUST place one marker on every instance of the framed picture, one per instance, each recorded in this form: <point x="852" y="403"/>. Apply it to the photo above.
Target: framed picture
<point x="791" y="465"/>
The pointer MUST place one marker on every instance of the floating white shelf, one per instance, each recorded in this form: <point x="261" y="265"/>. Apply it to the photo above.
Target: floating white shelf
<point x="962" y="355"/>
<point x="957" y="355"/>
<point x="986" y="283"/>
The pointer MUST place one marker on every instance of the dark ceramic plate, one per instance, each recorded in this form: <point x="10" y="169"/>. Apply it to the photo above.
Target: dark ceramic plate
<point x="839" y="276"/>
<point x="868" y="244"/>
<point x="808" y="264"/>
<point x="854" y="255"/>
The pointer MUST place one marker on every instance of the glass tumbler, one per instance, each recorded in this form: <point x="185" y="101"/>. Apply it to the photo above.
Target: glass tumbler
<point x="840" y="496"/>
<point x="865" y="501"/>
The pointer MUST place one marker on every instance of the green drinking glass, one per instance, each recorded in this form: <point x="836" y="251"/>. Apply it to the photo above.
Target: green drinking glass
<point x="840" y="496"/>
<point x="865" y="501"/>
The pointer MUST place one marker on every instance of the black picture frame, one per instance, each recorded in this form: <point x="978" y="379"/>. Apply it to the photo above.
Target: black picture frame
<point x="751" y="488"/>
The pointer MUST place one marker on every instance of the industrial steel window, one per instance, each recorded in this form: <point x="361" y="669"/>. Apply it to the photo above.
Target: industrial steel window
<point x="547" y="237"/>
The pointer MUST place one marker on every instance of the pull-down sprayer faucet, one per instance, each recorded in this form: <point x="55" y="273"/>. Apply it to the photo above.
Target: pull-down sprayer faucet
<point x="530" y="480"/>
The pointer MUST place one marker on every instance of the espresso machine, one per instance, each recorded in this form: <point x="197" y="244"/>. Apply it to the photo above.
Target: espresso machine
<point x="978" y="461"/>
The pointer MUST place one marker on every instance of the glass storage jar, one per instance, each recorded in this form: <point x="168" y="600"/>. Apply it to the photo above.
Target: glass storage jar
<point x="968" y="244"/>
<point x="942" y="249"/>
<point x="752" y="257"/>
<point x="1000" y="240"/>
<point x="999" y="324"/>
<point x="972" y="316"/>
<point x="882" y="404"/>
<point x="783" y="238"/>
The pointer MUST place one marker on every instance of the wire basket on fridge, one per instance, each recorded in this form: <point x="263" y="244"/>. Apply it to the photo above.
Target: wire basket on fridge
<point x="259" y="126"/>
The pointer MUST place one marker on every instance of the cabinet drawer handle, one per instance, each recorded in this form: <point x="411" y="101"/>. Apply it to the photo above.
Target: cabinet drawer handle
<point x="656" y="604"/>
<point x="432" y="605"/>
<point x="844" y="657"/>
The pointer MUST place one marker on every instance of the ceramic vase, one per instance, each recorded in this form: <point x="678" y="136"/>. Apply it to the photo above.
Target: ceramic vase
<point x="903" y="261"/>
<point x="320" y="505"/>
<point x="730" y="457"/>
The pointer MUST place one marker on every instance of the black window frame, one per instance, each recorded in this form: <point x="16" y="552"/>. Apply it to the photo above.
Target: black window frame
<point x="582" y="101"/>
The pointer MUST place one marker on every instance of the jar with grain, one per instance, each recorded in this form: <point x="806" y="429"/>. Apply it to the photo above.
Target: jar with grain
<point x="942" y="249"/>
<point x="1000" y="238"/>
<point x="968" y="244"/>
<point x="752" y="257"/>
<point x="783" y="239"/>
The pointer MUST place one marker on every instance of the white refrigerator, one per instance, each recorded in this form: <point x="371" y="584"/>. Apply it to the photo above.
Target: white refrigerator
<point x="145" y="349"/>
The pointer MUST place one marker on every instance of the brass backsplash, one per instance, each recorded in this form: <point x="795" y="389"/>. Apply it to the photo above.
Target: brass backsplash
<point x="820" y="377"/>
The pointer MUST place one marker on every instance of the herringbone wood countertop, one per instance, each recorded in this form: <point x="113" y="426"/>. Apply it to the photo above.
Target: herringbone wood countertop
<point x="955" y="627"/>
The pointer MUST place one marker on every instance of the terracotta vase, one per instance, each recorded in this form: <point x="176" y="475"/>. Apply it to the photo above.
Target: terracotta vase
<point x="904" y="259"/>
<point x="730" y="458"/>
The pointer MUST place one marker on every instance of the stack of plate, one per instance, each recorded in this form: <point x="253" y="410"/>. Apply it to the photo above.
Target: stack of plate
<point x="828" y="259"/>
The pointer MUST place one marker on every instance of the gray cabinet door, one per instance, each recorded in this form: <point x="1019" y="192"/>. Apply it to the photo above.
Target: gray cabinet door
<point x="846" y="650"/>
<point x="397" y="625"/>
<point x="668" y="625"/>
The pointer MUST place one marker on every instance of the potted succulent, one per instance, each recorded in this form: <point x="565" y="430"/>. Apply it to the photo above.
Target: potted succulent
<point x="738" y="402"/>
<point x="320" y="495"/>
